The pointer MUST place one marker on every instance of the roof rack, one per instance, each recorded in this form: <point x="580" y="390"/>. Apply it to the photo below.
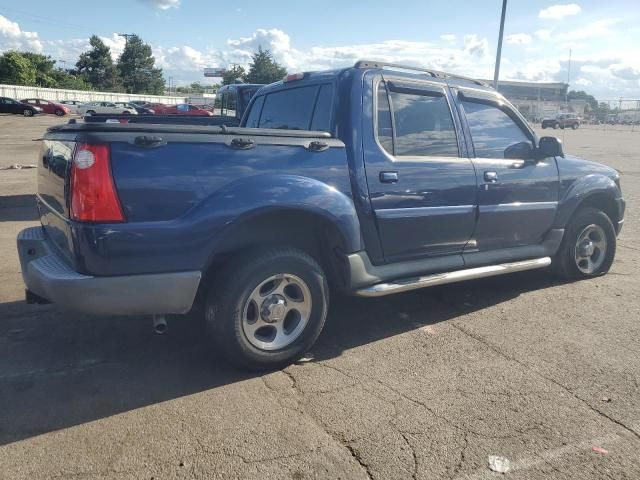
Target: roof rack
<point x="433" y="73"/>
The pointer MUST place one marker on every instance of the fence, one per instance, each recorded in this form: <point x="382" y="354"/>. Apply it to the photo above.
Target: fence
<point x="18" y="92"/>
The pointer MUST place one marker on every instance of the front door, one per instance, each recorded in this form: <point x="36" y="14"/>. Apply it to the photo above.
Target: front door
<point x="422" y="190"/>
<point x="517" y="196"/>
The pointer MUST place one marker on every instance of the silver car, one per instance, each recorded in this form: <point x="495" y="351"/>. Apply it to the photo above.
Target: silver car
<point x="105" y="107"/>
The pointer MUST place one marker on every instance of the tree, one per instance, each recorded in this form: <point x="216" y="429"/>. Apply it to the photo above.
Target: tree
<point x="264" y="69"/>
<point x="16" y="69"/>
<point x="96" y="67"/>
<point x="137" y="68"/>
<point x="233" y="74"/>
<point x="68" y="79"/>
<point x="582" y="95"/>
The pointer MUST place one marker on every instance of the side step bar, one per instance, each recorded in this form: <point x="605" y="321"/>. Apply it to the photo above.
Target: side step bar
<point x="407" y="284"/>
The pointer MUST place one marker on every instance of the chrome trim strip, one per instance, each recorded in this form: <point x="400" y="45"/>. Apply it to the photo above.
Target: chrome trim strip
<point x="405" y="285"/>
<point x="424" y="211"/>
<point x="518" y="207"/>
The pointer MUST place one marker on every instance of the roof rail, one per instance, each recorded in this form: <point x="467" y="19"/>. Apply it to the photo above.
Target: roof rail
<point x="433" y="73"/>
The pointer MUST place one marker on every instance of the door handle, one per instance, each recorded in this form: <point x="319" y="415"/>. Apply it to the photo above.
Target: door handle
<point x="491" y="177"/>
<point x="389" y="177"/>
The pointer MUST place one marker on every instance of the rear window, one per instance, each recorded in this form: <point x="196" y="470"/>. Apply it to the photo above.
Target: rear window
<point x="302" y="108"/>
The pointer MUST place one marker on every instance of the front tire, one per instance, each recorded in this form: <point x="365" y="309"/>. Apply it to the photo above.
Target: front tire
<point x="555" y="126"/>
<point x="575" y="126"/>
<point x="90" y="112"/>
<point x="27" y="113"/>
<point x="588" y="247"/>
<point x="59" y="113"/>
<point x="267" y="308"/>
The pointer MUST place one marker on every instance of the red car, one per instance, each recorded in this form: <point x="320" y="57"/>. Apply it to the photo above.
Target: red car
<point x="47" y="106"/>
<point x="181" y="109"/>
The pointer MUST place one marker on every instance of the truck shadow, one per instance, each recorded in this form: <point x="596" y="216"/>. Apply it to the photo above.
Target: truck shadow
<point x="59" y="369"/>
<point x="17" y="208"/>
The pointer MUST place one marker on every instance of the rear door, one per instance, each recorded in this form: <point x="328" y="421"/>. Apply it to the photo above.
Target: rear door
<point x="517" y="197"/>
<point x="422" y="185"/>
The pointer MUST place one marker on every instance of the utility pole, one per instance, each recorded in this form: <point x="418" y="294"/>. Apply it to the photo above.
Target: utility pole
<point x="126" y="37"/>
<point x="496" y="74"/>
<point x="64" y="64"/>
<point x="566" y="95"/>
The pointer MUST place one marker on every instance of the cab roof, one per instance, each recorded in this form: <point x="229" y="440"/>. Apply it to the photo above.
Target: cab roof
<point x="407" y="71"/>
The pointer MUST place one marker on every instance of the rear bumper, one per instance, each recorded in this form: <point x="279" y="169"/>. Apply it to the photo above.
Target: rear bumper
<point x="48" y="276"/>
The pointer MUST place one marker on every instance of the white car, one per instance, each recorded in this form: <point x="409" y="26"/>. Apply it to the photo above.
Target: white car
<point x="72" y="105"/>
<point x="105" y="107"/>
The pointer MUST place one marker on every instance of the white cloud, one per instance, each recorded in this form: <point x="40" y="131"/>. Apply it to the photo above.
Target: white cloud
<point x="13" y="37"/>
<point x="519" y="39"/>
<point x="558" y="12"/>
<point x="448" y="37"/>
<point x="543" y="34"/>
<point x="591" y="30"/>
<point x="476" y="46"/>
<point x="162" y="4"/>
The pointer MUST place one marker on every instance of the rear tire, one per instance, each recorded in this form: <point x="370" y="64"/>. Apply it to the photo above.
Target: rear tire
<point x="27" y="113"/>
<point x="267" y="308"/>
<point x="90" y="112"/>
<point x="575" y="126"/>
<point x="588" y="247"/>
<point x="59" y="113"/>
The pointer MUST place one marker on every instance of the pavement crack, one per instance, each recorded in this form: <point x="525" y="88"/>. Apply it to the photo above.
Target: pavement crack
<point x="414" y="474"/>
<point x="461" y="460"/>
<point x="356" y="456"/>
<point x="549" y="379"/>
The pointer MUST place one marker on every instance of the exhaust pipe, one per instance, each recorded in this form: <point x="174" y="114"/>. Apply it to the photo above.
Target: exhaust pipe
<point x="160" y="324"/>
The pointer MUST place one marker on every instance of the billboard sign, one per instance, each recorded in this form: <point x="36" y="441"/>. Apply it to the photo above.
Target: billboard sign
<point x="214" y="72"/>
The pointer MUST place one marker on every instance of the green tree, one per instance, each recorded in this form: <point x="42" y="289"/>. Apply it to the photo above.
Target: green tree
<point x="96" y="67"/>
<point x="44" y="66"/>
<point x="16" y="69"/>
<point x="137" y="69"/>
<point x="231" y="75"/>
<point x="68" y="79"/>
<point x="582" y="95"/>
<point x="264" y="69"/>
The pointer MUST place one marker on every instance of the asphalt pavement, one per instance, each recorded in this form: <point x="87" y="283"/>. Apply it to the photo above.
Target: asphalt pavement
<point x="422" y="385"/>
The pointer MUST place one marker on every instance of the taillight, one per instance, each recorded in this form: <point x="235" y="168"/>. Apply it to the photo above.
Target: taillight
<point x="93" y="194"/>
<point x="292" y="77"/>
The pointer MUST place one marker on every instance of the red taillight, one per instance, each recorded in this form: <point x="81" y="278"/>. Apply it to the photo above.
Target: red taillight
<point x="93" y="194"/>
<point x="293" y="77"/>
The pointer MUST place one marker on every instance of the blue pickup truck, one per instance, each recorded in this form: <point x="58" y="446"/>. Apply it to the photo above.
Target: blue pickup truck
<point x="370" y="180"/>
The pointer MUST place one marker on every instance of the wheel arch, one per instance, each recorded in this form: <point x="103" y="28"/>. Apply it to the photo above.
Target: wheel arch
<point x="313" y="230"/>
<point x="597" y="191"/>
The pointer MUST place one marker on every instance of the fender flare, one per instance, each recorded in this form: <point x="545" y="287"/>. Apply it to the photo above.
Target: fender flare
<point x="583" y="189"/>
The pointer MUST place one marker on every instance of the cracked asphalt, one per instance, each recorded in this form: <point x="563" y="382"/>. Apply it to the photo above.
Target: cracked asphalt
<point x="423" y="385"/>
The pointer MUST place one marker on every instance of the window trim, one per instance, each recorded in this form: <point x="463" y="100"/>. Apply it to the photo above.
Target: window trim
<point x="423" y="88"/>
<point x="487" y="98"/>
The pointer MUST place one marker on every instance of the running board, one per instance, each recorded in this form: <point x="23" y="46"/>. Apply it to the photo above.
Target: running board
<point x="407" y="284"/>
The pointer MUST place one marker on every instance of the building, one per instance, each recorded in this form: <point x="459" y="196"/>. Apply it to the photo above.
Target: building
<point x="537" y="100"/>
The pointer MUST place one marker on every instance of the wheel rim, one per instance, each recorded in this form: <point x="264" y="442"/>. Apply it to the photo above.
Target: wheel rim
<point x="591" y="249"/>
<point x="277" y="312"/>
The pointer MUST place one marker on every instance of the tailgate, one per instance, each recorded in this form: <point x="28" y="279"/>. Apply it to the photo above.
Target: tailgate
<point x="54" y="168"/>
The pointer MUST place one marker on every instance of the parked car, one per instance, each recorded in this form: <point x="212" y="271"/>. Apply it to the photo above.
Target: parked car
<point x="180" y="109"/>
<point x="368" y="180"/>
<point x="232" y="100"/>
<point x="141" y="109"/>
<point x="72" y="105"/>
<point x="104" y="107"/>
<point x="562" y="120"/>
<point x="47" y="106"/>
<point x="9" y="105"/>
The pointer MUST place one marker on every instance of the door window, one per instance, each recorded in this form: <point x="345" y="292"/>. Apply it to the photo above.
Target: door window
<point x="422" y="124"/>
<point x="493" y="131"/>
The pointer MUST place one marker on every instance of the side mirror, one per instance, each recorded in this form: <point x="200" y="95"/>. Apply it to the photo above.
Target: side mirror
<point x="550" y="147"/>
<point x="519" y="151"/>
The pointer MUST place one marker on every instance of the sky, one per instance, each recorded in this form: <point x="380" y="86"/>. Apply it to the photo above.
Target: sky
<point x="458" y="37"/>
